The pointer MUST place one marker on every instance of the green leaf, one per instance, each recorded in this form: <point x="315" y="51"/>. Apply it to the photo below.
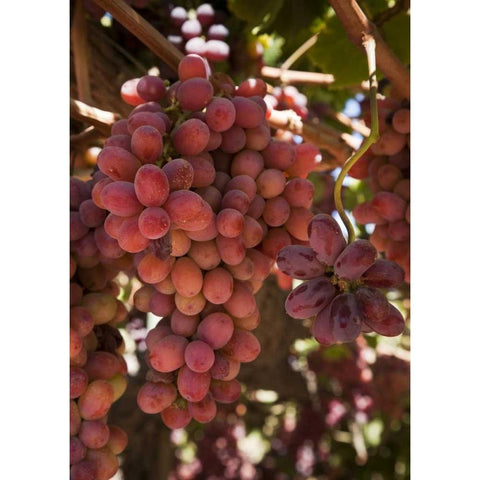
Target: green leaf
<point x="256" y="13"/>
<point x="396" y="33"/>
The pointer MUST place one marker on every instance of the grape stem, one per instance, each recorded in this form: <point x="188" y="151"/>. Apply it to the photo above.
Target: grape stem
<point x="296" y="76"/>
<point x="369" y="45"/>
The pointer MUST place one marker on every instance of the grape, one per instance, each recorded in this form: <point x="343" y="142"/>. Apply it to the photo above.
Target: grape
<point x="83" y="470"/>
<point x="120" y="127"/>
<point x="146" y="118"/>
<point x="81" y="321"/>
<point x="372" y="303"/>
<point x="120" y="199"/>
<point x="85" y="246"/>
<point x="221" y="367"/>
<point x="217" y="286"/>
<point x="357" y="257"/>
<point x="147" y="144"/>
<point x="180" y="243"/>
<point x="270" y="183"/>
<point x="211" y="195"/>
<point x="208" y="233"/>
<point x="191" y="28"/>
<point x="276" y="211"/>
<point x="298" y="222"/>
<point x="129" y="236"/>
<point x="401" y="120"/>
<point x="102" y="365"/>
<point x="97" y="191"/>
<point x="167" y="354"/>
<point x="179" y="173"/>
<point x="205" y="254"/>
<point x="216" y="50"/>
<point x="165" y="286"/>
<point x="129" y="93"/>
<point x="190" y="305"/>
<point x="195" y="46"/>
<point x="279" y="155"/>
<point x="252" y="233"/>
<point x="118" y="439"/>
<point x="244" y="183"/>
<point x="77" y="228"/>
<point x="322" y="328"/>
<point x="233" y="139"/>
<point x="100" y="306"/>
<point x="151" y="185"/>
<point x="184" y="325"/>
<point x="251" y="87"/>
<point x="402" y="189"/>
<point x="221" y="177"/>
<point x="248" y="323"/>
<point x="225" y="392"/>
<point x="247" y="162"/>
<point x="156" y="397"/>
<point x="152" y="269"/>
<point x="156" y="334"/>
<point x="199" y="356"/>
<point x="107" y="245"/>
<point x="94" y="434"/>
<point x="237" y="200"/>
<point x="299" y="192"/>
<point x="77" y="450"/>
<point x="229" y="222"/>
<point x="188" y="210"/>
<point x="390" y="326"/>
<point x="192" y="66"/>
<point x="388" y="176"/>
<point x="205" y="14"/>
<point x="95" y="402"/>
<point x="220" y="114"/>
<point x="191" y="137"/>
<point x="154" y="222"/>
<point x="399" y="231"/>
<point x="309" y="298"/>
<point x="175" y="417"/>
<point x="187" y="277"/>
<point x="257" y="138"/>
<point x="389" y="205"/>
<point x="298" y="261"/>
<point x="203" y="171"/>
<point x="215" y="329"/>
<point x="214" y="141"/>
<point x="383" y="274"/>
<point x="365" y="213"/>
<point x="243" y="346"/>
<point x="161" y="305"/>
<point x="151" y="88"/>
<point x="346" y="318"/>
<point x="91" y="215"/>
<point x="203" y="411"/>
<point x="306" y="159"/>
<point x="248" y="114"/>
<point x="255" y="209"/>
<point x="192" y="386"/>
<point x="75" y="419"/>
<point x="389" y="143"/>
<point x="231" y="250"/>
<point x="78" y="381"/>
<point x="194" y="94"/>
<point x="326" y="238"/>
<point x="104" y="461"/>
<point x="178" y="15"/>
<point x="274" y="241"/>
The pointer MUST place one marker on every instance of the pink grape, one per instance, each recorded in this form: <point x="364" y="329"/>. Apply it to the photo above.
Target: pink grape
<point x="176" y="417"/>
<point x="298" y="222"/>
<point x="188" y="210"/>
<point x="248" y="114"/>
<point x="355" y="259"/>
<point x="203" y="411"/>
<point x="129" y="93"/>
<point x="179" y="173"/>
<point x="168" y="353"/>
<point x="203" y="171"/>
<point x="152" y="269"/>
<point x="94" y="434"/>
<point x="151" y="88"/>
<point x="129" y="236"/>
<point x="191" y="137"/>
<point x="161" y="304"/>
<point x="217" y="286"/>
<point x="147" y="144"/>
<point x="184" y="325"/>
<point x="242" y="301"/>
<point x="205" y="254"/>
<point x="237" y="200"/>
<point x="346" y="317"/>
<point x="190" y="305"/>
<point x="257" y="138"/>
<point x="187" y="277"/>
<point x="192" y="386"/>
<point x="220" y="114"/>
<point x="95" y="402"/>
<point x="231" y="250"/>
<point x="154" y="222"/>
<point x="216" y="50"/>
<point x="392" y="325"/>
<point x="215" y="329"/>
<point x="383" y="274"/>
<point x="251" y="87"/>
<point x="326" y="238"/>
<point x="225" y="392"/>
<point x="118" y="164"/>
<point x="298" y="261"/>
<point x="274" y="241"/>
<point x="156" y="397"/>
<point x="192" y="66"/>
<point x="270" y="183"/>
<point x="233" y="139"/>
<point x="199" y="356"/>
<point x="299" y="192"/>
<point x="143" y="118"/>
<point x="120" y="199"/>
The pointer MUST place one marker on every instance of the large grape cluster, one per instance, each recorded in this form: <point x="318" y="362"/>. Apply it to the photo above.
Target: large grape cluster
<point x="341" y="288"/>
<point x="200" y="32"/>
<point x="97" y="368"/>
<point x="194" y="189"/>
<point x="386" y="168"/>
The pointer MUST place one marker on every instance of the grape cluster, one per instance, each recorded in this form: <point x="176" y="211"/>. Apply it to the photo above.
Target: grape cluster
<point x="342" y="283"/>
<point x="288" y="98"/>
<point x="97" y="368"/>
<point x="194" y="189"/>
<point x="387" y="168"/>
<point x="200" y="32"/>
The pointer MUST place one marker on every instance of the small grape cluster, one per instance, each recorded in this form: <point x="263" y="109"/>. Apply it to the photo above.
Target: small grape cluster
<point x="200" y="32"/>
<point x="97" y="368"/>
<point x="288" y="98"/>
<point x="387" y="168"/>
<point x="195" y="190"/>
<point x="341" y="287"/>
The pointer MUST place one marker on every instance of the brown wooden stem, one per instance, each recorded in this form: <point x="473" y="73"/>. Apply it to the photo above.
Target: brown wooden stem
<point x="100" y="119"/>
<point x="357" y="27"/>
<point x="295" y="76"/>
<point x="143" y="30"/>
<point x="80" y="53"/>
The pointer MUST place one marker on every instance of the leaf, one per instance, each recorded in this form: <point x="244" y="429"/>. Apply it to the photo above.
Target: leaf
<point x="396" y="33"/>
<point x="256" y="13"/>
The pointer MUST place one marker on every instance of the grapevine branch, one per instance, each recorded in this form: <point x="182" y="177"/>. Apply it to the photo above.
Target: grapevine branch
<point x="295" y="76"/>
<point x="143" y="30"/>
<point x="100" y="119"/>
<point x="369" y="45"/>
<point x="299" y="52"/>
<point x="357" y="26"/>
<point x="80" y="53"/>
